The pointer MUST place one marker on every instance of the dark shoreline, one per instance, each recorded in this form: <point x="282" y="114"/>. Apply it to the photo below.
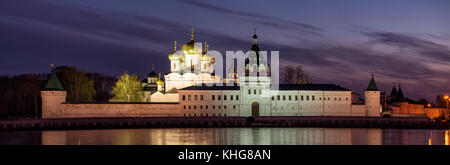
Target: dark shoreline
<point x="205" y="122"/>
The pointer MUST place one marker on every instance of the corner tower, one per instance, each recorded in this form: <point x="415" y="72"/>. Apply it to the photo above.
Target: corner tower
<point x="53" y="95"/>
<point x="372" y="99"/>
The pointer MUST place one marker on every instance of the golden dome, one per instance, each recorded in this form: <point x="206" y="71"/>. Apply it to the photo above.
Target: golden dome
<point x="176" y="56"/>
<point x="206" y="58"/>
<point x="159" y="82"/>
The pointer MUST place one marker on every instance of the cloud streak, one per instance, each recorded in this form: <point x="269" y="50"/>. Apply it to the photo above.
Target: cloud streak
<point x="260" y="19"/>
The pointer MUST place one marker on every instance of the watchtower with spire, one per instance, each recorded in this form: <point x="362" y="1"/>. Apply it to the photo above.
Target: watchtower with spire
<point x="372" y="99"/>
<point x="53" y="95"/>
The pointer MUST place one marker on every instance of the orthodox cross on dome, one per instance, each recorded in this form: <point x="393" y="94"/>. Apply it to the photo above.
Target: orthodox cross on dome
<point x="175" y="46"/>
<point x="206" y="46"/>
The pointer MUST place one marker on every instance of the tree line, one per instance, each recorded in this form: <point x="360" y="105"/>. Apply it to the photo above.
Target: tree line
<point x="20" y="95"/>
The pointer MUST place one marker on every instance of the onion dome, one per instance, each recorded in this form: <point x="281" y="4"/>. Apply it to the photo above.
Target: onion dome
<point x="174" y="55"/>
<point x="206" y="58"/>
<point x="189" y="47"/>
<point x="152" y="74"/>
<point x="159" y="82"/>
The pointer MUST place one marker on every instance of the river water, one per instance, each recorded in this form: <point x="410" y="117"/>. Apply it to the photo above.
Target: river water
<point x="230" y="136"/>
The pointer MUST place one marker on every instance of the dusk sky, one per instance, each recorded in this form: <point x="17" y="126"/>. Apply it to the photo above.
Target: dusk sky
<point x="336" y="41"/>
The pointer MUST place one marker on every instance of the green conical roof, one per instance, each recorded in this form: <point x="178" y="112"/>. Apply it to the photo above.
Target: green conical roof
<point x="372" y="85"/>
<point x="53" y="83"/>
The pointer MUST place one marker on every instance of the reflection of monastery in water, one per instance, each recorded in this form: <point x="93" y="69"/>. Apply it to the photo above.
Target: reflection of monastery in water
<point x="248" y="136"/>
<point x="188" y="90"/>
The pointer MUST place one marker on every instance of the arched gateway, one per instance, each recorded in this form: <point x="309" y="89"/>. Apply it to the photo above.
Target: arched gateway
<point x="255" y="109"/>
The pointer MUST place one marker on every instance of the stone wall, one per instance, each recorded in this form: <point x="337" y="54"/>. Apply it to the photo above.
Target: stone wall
<point x="89" y="110"/>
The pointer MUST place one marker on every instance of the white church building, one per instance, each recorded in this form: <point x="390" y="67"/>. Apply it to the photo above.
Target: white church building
<point x="200" y="92"/>
<point x="191" y="89"/>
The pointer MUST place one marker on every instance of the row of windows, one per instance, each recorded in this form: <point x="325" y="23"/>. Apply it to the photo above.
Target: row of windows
<point x="206" y="107"/>
<point x="289" y="97"/>
<point x="310" y="107"/>
<point x="206" y="115"/>
<point x="307" y="98"/>
<point x="213" y="97"/>
<point x="254" y="91"/>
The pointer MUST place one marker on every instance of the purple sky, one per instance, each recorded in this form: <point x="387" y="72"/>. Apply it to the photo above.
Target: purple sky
<point x="338" y="42"/>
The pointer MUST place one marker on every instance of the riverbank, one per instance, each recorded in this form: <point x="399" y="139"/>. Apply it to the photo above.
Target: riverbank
<point x="198" y="122"/>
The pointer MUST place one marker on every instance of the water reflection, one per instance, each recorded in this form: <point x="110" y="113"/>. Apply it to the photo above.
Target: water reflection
<point x="248" y="136"/>
<point x="231" y="136"/>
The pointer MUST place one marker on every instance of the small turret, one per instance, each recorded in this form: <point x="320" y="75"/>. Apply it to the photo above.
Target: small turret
<point x="400" y="96"/>
<point x="53" y="95"/>
<point x="372" y="99"/>
<point x="372" y="85"/>
<point x="393" y="92"/>
<point x="160" y="83"/>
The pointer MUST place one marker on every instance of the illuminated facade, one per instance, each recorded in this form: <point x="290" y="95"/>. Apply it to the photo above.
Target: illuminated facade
<point x="187" y="90"/>
<point x="251" y="95"/>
